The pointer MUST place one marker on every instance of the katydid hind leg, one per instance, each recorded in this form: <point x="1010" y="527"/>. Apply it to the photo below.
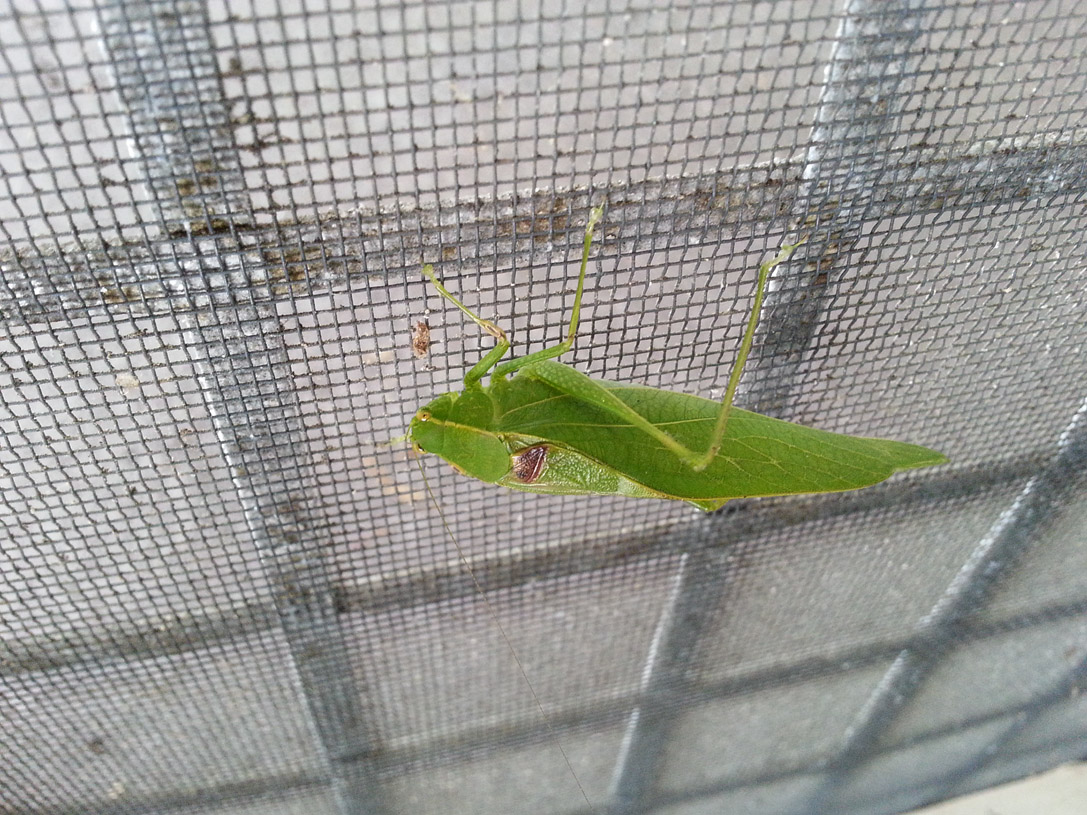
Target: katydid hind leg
<point x="574" y="383"/>
<point x="571" y="381"/>
<point x="701" y="461"/>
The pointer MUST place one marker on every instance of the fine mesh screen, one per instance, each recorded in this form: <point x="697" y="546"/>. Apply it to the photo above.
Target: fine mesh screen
<point x="223" y="591"/>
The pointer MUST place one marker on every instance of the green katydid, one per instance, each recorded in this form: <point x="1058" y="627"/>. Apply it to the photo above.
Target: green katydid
<point x="542" y="426"/>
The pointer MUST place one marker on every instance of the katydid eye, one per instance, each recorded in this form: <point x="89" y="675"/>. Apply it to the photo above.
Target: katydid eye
<point x="529" y="464"/>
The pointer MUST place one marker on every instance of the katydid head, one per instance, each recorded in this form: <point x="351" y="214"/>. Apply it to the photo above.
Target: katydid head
<point x="453" y="427"/>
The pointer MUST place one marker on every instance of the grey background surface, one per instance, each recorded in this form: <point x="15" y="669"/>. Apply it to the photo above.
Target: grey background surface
<point x="222" y="590"/>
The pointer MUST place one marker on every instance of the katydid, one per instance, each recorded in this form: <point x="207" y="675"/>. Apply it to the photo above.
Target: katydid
<point x="542" y="426"/>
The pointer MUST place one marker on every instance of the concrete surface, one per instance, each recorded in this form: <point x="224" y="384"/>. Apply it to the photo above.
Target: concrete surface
<point x="1062" y="791"/>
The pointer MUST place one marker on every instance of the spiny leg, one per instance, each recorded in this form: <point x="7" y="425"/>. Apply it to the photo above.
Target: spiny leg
<point x="479" y="370"/>
<point x="557" y="350"/>
<point x="702" y="461"/>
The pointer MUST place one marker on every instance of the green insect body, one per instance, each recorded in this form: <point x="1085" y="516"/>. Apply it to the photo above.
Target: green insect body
<point x="541" y="426"/>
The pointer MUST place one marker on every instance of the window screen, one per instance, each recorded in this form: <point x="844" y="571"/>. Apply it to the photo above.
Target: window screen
<point x="224" y="587"/>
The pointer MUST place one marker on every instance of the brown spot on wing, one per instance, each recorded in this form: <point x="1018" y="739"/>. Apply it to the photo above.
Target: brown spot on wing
<point x="530" y="463"/>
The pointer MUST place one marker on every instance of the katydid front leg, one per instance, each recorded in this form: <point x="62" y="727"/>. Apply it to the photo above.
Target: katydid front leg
<point x="480" y="369"/>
